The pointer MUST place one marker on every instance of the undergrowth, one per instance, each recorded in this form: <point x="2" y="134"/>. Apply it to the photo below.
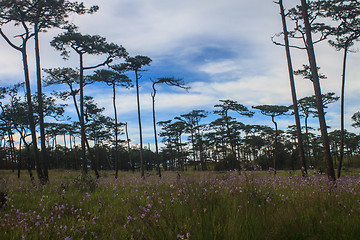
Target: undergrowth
<point x="198" y="205"/>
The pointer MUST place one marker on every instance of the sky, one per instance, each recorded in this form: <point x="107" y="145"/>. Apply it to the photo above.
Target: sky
<point x="222" y="49"/>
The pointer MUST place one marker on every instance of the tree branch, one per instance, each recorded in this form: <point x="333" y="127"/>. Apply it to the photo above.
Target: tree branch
<point x="283" y="45"/>
<point x="107" y="61"/>
<point x="8" y="41"/>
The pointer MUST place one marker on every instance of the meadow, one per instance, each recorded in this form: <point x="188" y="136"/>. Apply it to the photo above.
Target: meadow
<point x="196" y="205"/>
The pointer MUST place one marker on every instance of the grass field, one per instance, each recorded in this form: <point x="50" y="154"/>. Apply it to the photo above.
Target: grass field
<point x="198" y="205"/>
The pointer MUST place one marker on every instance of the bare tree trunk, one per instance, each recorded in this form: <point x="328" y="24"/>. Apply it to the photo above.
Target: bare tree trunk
<point x="128" y="143"/>
<point x="293" y="92"/>
<point x="116" y="133"/>
<point x="317" y="90"/>
<point x="31" y="116"/>
<point x="86" y="141"/>
<point x="342" y="114"/>
<point x="44" y="158"/>
<point x="140" y="129"/>
<point x="155" y="133"/>
<point x="82" y="118"/>
<point x="275" y="143"/>
<point x="307" y="138"/>
<point x="20" y="159"/>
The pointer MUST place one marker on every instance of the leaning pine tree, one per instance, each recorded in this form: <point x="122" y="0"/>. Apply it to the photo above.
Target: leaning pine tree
<point x="293" y="91"/>
<point x="317" y="90"/>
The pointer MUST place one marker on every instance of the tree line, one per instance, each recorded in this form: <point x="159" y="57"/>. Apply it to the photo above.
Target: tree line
<point x="225" y="143"/>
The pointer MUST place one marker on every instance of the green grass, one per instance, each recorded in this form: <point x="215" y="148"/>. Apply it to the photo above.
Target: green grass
<point x="200" y="205"/>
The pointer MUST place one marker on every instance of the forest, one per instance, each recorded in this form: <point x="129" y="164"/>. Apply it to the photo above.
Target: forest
<point x="37" y="133"/>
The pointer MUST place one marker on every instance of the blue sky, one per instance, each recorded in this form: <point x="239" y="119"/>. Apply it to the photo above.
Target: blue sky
<point x="221" y="48"/>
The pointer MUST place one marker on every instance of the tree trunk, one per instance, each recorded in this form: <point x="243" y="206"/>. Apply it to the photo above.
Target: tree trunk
<point x="128" y="143"/>
<point x="140" y="129"/>
<point x="178" y="152"/>
<point x="275" y="143"/>
<point x="44" y="158"/>
<point x="20" y="159"/>
<point x="82" y="116"/>
<point x="317" y="90"/>
<point x="31" y="115"/>
<point x="342" y="113"/>
<point x="86" y="141"/>
<point x="116" y="133"/>
<point x="155" y="133"/>
<point x="293" y="92"/>
<point x="307" y="138"/>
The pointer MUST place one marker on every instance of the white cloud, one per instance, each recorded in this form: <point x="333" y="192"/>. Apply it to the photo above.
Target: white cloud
<point x="224" y="66"/>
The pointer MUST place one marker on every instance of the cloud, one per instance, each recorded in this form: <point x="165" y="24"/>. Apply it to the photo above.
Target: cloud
<point x="225" y="66"/>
